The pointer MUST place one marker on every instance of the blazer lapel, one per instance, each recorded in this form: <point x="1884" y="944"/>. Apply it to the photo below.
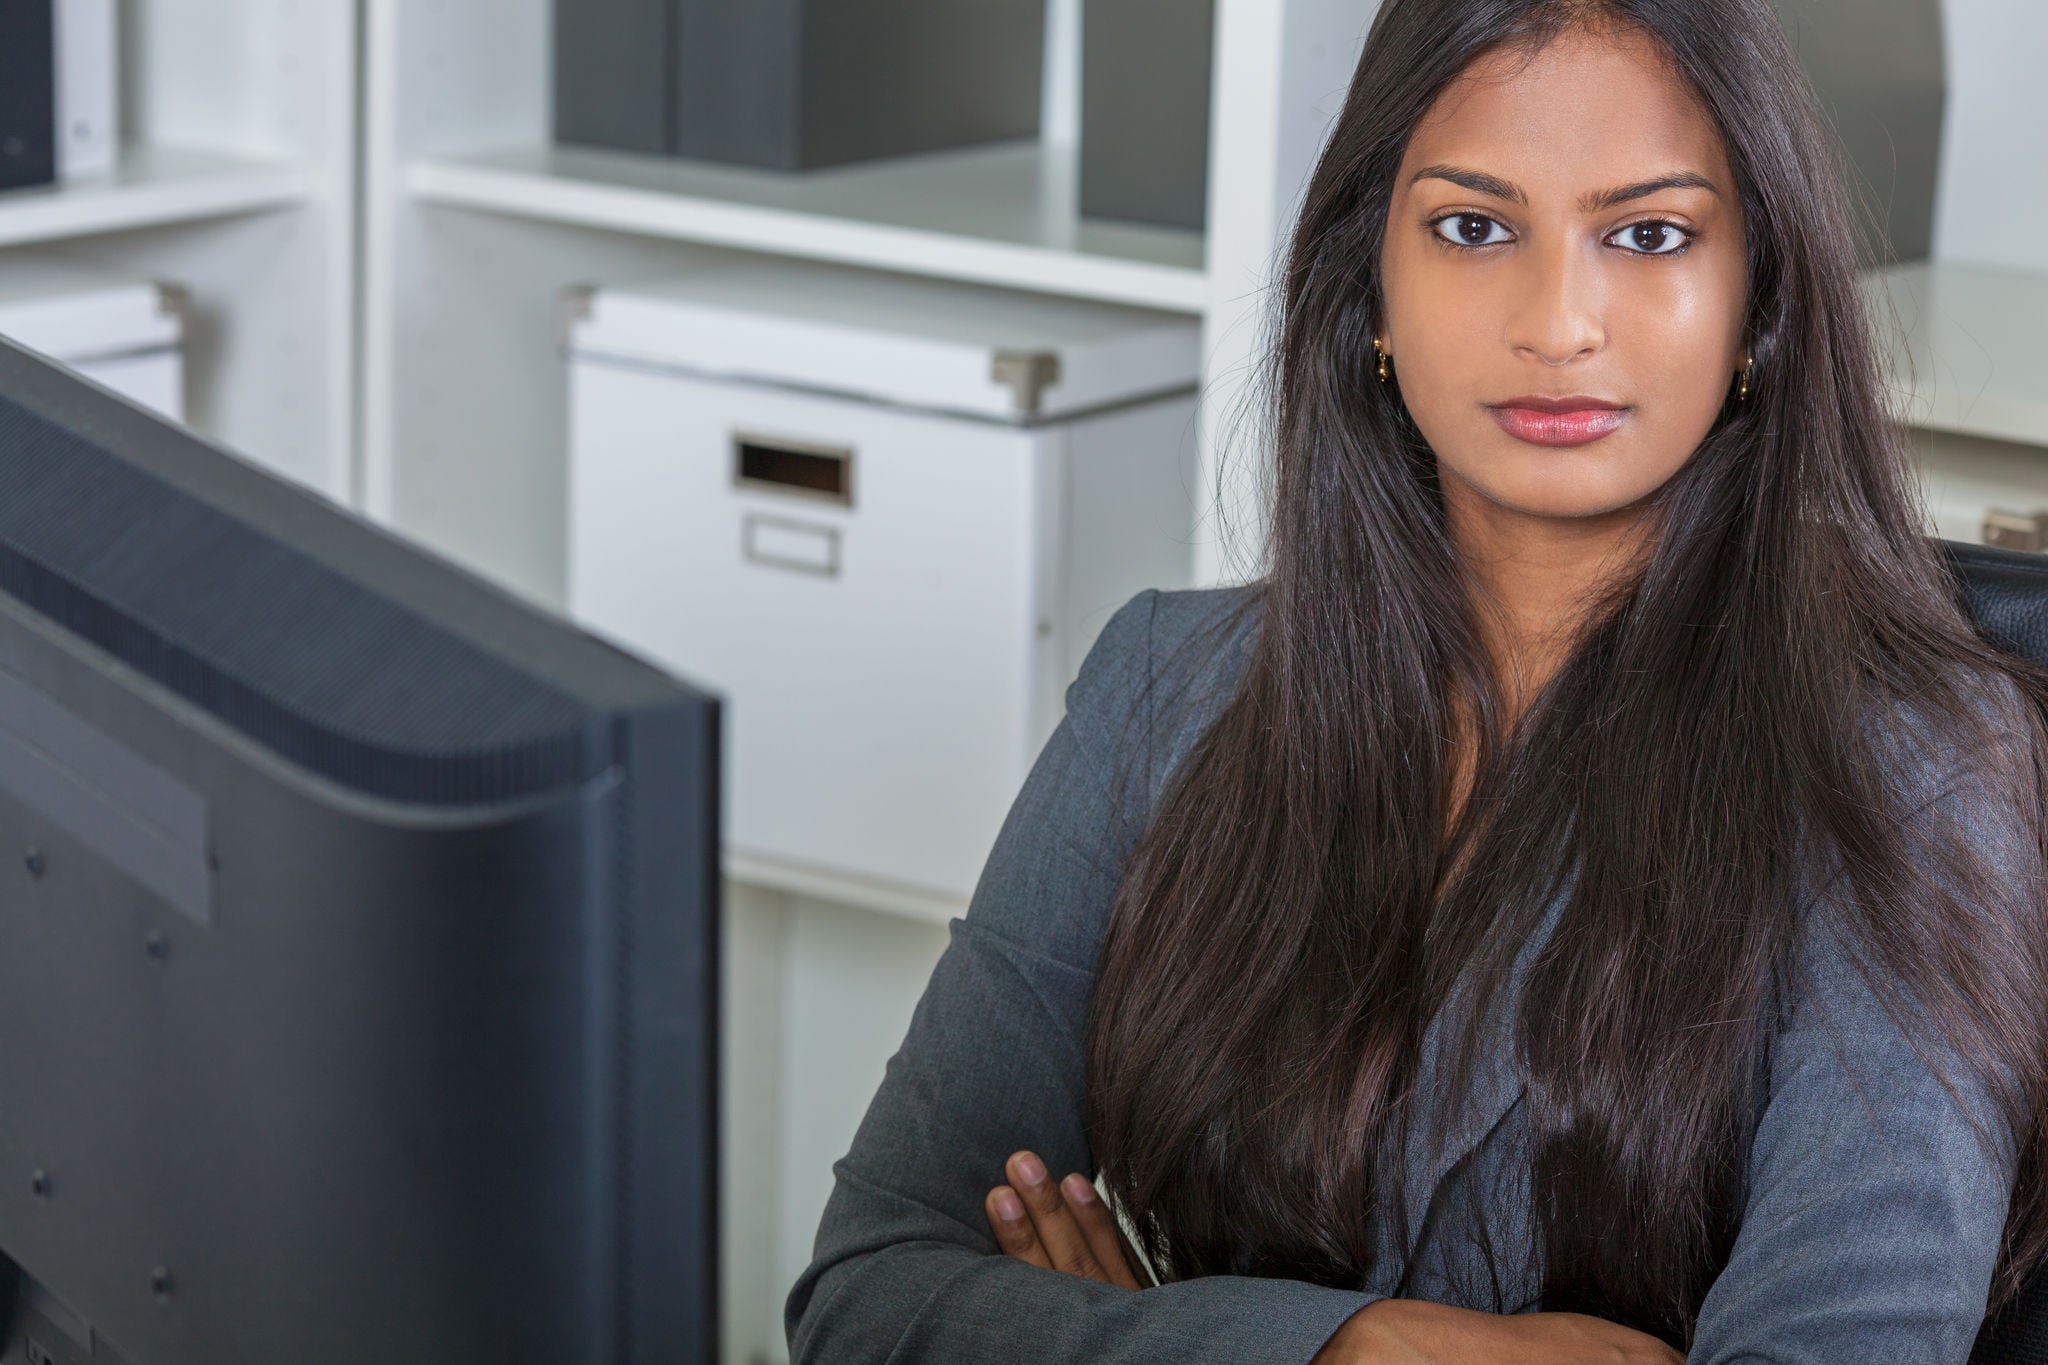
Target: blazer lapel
<point x="1497" y="1079"/>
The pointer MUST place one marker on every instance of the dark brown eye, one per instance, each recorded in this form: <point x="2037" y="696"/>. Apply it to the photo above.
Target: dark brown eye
<point x="1655" y="237"/>
<point x="1471" y="229"/>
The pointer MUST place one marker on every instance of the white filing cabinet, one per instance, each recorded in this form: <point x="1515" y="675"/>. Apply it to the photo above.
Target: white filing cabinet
<point x="124" y="333"/>
<point x="886" y="517"/>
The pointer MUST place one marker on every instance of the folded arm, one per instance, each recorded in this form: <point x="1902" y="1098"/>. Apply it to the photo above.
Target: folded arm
<point x="904" y="1267"/>
<point x="1874" y="1214"/>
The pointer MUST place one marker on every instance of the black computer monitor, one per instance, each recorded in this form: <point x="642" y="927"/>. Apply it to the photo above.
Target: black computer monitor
<point x="359" y="931"/>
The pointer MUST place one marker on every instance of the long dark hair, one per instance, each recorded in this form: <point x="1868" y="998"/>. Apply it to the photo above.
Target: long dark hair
<point x="1745" y="704"/>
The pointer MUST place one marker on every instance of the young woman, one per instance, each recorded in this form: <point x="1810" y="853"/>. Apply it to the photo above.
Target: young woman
<point x="1585" y="901"/>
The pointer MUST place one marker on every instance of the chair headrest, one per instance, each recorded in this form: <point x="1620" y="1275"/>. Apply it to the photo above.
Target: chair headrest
<point x="2007" y="595"/>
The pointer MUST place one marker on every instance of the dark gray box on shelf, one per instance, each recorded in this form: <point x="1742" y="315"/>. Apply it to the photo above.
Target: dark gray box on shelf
<point x="1145" y="68"/>
<point x="796" y="84"/>
<point x="612" y="74"/>
<point x="28" y="102"/>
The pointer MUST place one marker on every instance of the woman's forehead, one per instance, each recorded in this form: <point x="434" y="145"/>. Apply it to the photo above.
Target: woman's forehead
<point x="1610" y="107"/>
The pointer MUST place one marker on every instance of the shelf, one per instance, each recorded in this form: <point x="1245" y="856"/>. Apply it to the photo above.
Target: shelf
<point x="1974" y="358"/>
<point x="1001" y="215"/>
<point x="150" y="186"/>
<point x="842" y="888"/>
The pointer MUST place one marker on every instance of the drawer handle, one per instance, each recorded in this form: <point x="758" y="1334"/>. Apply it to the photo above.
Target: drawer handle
<point x="786" y="544"/>
<point x="798" y="467"/>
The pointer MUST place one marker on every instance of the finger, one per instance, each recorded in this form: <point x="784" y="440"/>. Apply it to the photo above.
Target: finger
<point x="1054" y="1222"/>
<point x="1011" y="1224"/>
<point x="1105" y="1240"/>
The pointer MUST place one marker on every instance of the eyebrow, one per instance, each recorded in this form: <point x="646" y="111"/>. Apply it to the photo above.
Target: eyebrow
<point x="1482" y="183"/>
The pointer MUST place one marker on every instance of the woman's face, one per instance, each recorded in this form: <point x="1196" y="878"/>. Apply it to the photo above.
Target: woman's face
<point x="1505" y="277"/>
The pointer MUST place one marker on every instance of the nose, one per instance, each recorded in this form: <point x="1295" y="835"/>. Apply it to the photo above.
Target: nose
<point x="1557" y="309"/>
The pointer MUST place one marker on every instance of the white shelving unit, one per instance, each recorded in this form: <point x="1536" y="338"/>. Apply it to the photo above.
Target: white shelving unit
<point x="1971" y="354"/>
<point x="236" y="183"/>
<point x="474" y="222"/>
<point x="1969" y="361"/>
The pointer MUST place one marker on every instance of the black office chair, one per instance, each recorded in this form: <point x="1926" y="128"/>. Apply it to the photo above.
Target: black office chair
<point x="2007" y="594"/>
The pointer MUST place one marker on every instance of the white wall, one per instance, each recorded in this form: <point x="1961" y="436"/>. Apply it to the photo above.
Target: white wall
<point x="1991" y="204"/>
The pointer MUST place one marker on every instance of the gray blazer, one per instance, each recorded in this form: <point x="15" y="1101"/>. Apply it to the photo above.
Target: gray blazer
<point x="1870" y="1229"/>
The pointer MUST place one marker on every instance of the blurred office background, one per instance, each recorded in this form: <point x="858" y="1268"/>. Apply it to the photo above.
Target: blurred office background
<point x="869" y="419"/>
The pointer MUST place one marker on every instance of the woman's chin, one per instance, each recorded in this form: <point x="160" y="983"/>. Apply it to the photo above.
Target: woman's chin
<point x="1550" y="495"/>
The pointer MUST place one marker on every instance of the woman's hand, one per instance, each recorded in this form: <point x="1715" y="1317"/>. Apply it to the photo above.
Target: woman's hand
<point x="1061" y="1227"/>
<point x="1419" y="1332"/>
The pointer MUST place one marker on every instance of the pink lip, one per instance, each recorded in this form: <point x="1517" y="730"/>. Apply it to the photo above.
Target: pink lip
<point x="1558" y="428"/>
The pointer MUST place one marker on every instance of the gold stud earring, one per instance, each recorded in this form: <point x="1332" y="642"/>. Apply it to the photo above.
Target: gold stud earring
<point x="1743" y="392"/>
<point x="1382" y="357"/>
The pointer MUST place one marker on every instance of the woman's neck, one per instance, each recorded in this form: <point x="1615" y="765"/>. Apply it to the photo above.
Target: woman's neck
<point x="1533" y="578"/>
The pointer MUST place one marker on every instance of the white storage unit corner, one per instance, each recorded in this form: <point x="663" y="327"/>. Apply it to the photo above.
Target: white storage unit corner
<point x="234" y="184"/>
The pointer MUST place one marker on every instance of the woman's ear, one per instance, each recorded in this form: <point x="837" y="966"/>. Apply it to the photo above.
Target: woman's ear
<point x="1763" y="347"/>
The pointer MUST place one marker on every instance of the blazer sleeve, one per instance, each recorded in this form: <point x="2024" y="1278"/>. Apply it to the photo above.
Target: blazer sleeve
<point x="903" y="1266"/>
<point x="1873" y="1217"/>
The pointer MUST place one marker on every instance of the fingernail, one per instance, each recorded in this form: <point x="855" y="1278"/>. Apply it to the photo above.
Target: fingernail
<point x="1008" y="1206"/>
<point x="1032" y="1169"/>
<point x="1080" y="1188"/>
